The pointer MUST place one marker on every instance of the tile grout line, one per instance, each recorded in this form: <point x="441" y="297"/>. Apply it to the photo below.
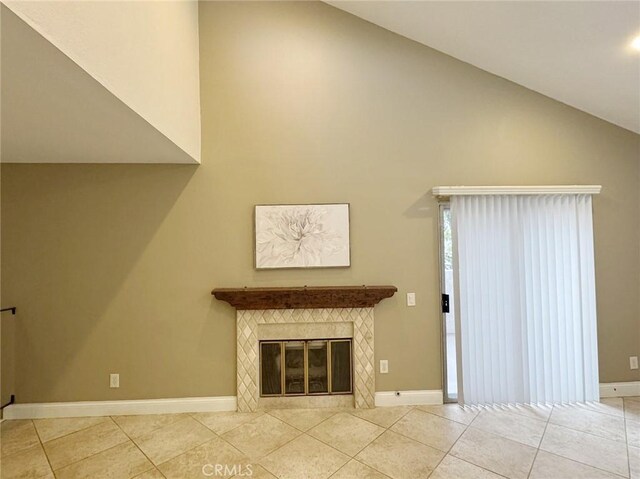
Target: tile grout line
<point x="306" y="433"/>
<point x="276" y="449"/>
<point x="87" y="457"/>
<point x="46" y="456"/>
<point x="176" y="415"/>
<point x="93" y="455"/>
<point x="579" y="409"/>
<point x="365" y="465"/>
<point x="425" y="444"/>
<point x="475" y="465"/>
<point x="138" y="447"/>
<point x="106" y="418"/>
<point x="468" y="426"/>
<point x="570" y="429"/>
<point x="249" y="461"/>
<point x="535" y="456"/>
<point x="231" y="429"/>
<point x="626" y="437"/>
<point x="615" y="474"/>
<point x="367" y="444"/>
<point x="182" y="453"/>
<point x="217" y="436"/>
<point x="315" y="425"/>
<point x="69" y="433"/>
<point x="301" y="433"/>
<point x="19" y="451"/>
<point x="587" y="406"/>
<point x="590" y="433"/>
<point x="411" y="408"/>
<point x="448" y="452"/>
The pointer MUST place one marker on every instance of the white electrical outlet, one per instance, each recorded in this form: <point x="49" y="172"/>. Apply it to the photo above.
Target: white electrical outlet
<point x="633" y="362"/>
<point x="411" y="299"/>
<point x="384" y="366"/>
<point x="114" y="380"/>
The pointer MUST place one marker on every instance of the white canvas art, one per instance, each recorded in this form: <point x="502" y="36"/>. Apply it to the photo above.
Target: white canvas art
<point x="302" y="236"/>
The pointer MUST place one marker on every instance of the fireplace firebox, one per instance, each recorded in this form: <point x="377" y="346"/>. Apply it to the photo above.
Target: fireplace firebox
<point x="306" y="367"/>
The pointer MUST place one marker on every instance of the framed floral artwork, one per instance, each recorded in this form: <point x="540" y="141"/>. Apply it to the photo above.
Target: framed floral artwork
<point x="302" y="236"/>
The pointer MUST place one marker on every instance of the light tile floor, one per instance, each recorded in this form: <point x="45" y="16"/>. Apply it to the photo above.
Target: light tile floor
<point x="592" y="441"/>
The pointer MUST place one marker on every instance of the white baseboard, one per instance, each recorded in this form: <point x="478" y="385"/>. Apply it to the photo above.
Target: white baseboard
<point x="181" y="405"/>
<point x="119" y="408"/>
<point x="408" y="398"/>
<point x="612" y="390"/>
<point x="229" y="403"/>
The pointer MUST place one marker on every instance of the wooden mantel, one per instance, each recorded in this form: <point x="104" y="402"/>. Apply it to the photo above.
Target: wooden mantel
<point x="304" y="297"/>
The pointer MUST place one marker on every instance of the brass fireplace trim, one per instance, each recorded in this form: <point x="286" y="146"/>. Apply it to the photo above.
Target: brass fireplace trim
<point x="306" y="392"/>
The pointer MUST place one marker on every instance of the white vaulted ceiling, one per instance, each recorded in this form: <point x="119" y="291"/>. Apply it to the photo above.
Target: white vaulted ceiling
<point x="577" y="52"/>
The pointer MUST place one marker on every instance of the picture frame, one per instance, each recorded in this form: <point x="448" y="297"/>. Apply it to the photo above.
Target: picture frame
<point x="302" y="236"/>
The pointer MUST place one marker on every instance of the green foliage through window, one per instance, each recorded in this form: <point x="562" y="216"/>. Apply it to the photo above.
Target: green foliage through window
<point x="448" y="243"/>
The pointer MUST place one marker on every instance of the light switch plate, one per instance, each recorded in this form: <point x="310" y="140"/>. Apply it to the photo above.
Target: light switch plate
<point x="411" y="299"/>
<point x="384" y="366"/>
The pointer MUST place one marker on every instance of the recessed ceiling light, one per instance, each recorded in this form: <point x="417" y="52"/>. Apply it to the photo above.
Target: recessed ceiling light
<point x="635" y="44"/>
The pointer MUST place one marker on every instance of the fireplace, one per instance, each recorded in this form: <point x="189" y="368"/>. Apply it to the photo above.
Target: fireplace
<point x="315" y="367"/>
<point x="281" y="363"/>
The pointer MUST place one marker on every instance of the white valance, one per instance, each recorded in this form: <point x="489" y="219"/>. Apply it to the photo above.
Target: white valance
<point x="516" y="190"/>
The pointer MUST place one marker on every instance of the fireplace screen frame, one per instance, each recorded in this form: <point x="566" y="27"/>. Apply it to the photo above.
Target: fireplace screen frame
<point x="306" y="342"/>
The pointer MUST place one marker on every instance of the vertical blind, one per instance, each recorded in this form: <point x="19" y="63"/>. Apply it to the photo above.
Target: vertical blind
<point x="526" y="309"/>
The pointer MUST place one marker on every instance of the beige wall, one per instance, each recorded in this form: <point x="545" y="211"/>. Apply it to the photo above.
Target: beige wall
<point x="111" y="267"/>
<point x="143" y="52"/>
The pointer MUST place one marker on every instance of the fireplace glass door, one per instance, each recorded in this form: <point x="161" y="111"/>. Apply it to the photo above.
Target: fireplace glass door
<point x="294" y="381"/>
<point x="317" y="367"/>
<point x="340" y="366"/>
<point x="311" y="367"/>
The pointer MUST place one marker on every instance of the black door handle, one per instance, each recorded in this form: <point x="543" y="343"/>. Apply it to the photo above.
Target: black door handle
<point x="445" y="303"/>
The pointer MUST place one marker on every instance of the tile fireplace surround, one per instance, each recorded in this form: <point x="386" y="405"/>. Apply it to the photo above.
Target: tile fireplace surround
<point x="304" y="313"/>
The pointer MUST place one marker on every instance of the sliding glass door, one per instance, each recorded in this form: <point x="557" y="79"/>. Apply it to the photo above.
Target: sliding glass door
<point x="450" y="372"/>
<point x="524" y="276"/>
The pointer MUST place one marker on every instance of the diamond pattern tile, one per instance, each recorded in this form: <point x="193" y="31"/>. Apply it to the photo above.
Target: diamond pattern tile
<point x="248" y="354"/>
